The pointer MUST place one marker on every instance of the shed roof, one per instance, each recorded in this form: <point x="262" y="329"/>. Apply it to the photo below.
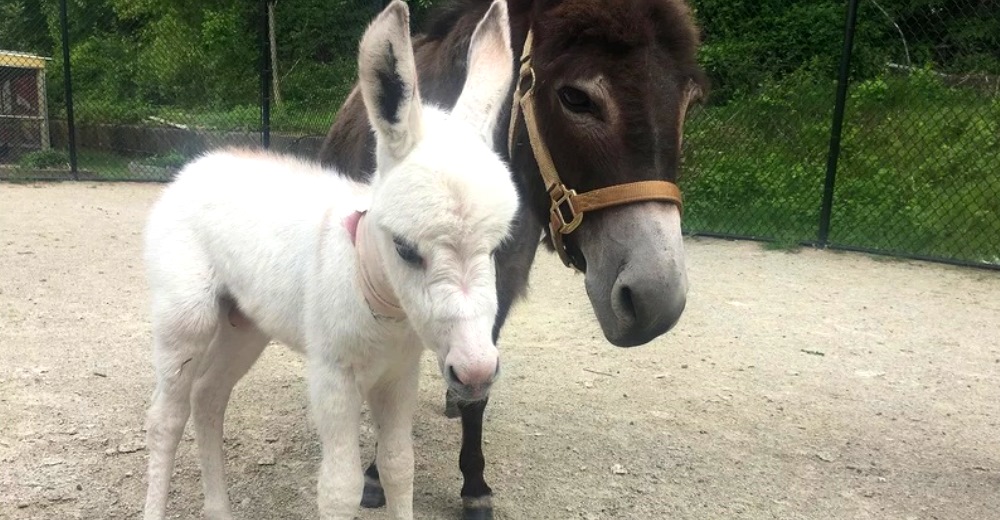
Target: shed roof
<point x="22" y="60"/>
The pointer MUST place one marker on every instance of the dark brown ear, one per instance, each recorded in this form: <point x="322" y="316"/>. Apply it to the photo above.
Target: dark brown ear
<point x="693" y="93"/>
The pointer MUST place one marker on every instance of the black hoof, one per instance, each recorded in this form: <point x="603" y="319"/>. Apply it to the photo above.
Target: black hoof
<point x="481" y="513"/>
<point x="373" y="496"/>
<point x="451" y="410"/>
<point x="477" y="508"/>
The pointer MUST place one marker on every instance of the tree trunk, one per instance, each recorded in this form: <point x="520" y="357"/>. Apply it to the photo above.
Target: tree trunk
<point x="275" y="81"/>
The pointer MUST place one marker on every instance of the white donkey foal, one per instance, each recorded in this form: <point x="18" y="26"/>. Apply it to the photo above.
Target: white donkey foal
<point x="247" y="247"/>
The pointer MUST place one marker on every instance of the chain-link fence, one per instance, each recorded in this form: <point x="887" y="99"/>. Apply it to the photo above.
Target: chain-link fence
<point x="920" y="160"/>
<point x="898" y="153"/>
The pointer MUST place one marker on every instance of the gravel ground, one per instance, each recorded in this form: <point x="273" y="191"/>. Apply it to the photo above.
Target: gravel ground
<point x="810" y="385"/>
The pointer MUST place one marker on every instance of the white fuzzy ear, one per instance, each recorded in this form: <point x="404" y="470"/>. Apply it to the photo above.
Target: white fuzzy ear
<point x="491" y="69"/>
<point x="388" y="76"/>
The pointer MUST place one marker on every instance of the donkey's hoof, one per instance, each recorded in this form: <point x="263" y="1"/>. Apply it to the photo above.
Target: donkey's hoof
<point x="451" y="410"/>
<point x="373" y="495"/>
<point x="482" y="513"/>
<point x="479" y="508"/>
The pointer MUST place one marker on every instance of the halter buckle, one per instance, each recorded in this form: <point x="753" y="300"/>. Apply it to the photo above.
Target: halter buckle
<point x="563" y="211"/>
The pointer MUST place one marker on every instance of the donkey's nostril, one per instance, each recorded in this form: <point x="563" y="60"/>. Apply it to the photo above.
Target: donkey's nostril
<point x="626" y="303"/>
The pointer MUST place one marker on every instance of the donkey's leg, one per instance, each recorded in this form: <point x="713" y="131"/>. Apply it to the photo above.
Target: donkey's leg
<point x="336" y="410"/>
<point x="373" y="495"/>
<point x="181" y="335"/>
<point x="232" y="353"/>
<point x="393" y="404"/>
<point x="477" y="497"/>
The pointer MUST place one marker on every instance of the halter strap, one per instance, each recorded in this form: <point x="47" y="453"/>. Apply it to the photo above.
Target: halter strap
<point x="567" y="206"/>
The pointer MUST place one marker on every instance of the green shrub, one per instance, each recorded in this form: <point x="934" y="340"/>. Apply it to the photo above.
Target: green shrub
<point x="748" y="44"/>
<point x="44" y="159"/>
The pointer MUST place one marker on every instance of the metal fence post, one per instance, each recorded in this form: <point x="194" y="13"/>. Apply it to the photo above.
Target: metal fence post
<point x="265" y="78"/>
<point x="68" y="87"/>
<point x="838" y="123"/>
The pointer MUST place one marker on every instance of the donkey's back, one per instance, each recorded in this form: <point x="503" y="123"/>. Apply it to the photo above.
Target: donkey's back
<point x="261" y="188"/>
<point x="234" y="218"/>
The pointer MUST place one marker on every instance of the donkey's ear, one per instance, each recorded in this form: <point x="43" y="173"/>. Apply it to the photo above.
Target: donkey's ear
<point x="388" y="78"/>
<point x="491" y="69"/>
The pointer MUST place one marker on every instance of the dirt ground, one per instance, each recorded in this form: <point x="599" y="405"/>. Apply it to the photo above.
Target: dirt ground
<point x="809" y="385"/>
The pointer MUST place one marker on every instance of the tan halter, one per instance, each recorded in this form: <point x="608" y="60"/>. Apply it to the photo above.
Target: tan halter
<point x="568" y="206"/>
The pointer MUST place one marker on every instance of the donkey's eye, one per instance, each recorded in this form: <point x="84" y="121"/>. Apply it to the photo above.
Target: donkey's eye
<point x="408" y="252"/>
<point x="575" y="100"/>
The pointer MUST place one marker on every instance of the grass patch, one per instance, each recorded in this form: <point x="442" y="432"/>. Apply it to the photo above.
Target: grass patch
<point x="104" y="165"/>
<point x="782" y="245"/>
<point x="113" y="167"/>
<point x="919" y="168"/>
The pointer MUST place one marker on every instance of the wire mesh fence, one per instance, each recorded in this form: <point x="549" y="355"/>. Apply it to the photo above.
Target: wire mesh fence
<point x="916" y="170"/>
<point x="920" y="159"/>
<point x="913" y="170"/>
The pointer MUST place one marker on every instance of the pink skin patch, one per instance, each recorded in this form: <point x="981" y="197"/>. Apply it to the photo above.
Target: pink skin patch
<point x="351" y="225"/>
<point x="237" y="319"/>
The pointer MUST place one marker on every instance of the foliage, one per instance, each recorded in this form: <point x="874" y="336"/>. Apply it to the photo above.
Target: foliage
<point x="132" y="58"/>
<point x="747" y="44"/>
<point x="24" y="27"/>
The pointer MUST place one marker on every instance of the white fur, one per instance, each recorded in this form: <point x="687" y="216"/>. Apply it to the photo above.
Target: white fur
<point x="244" y="247"/>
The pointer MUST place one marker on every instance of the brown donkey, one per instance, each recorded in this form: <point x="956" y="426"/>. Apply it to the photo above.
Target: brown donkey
<point x="594" y="145"/>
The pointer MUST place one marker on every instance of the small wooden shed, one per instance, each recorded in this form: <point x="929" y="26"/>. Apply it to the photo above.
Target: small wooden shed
<point x="24" y="116"/>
